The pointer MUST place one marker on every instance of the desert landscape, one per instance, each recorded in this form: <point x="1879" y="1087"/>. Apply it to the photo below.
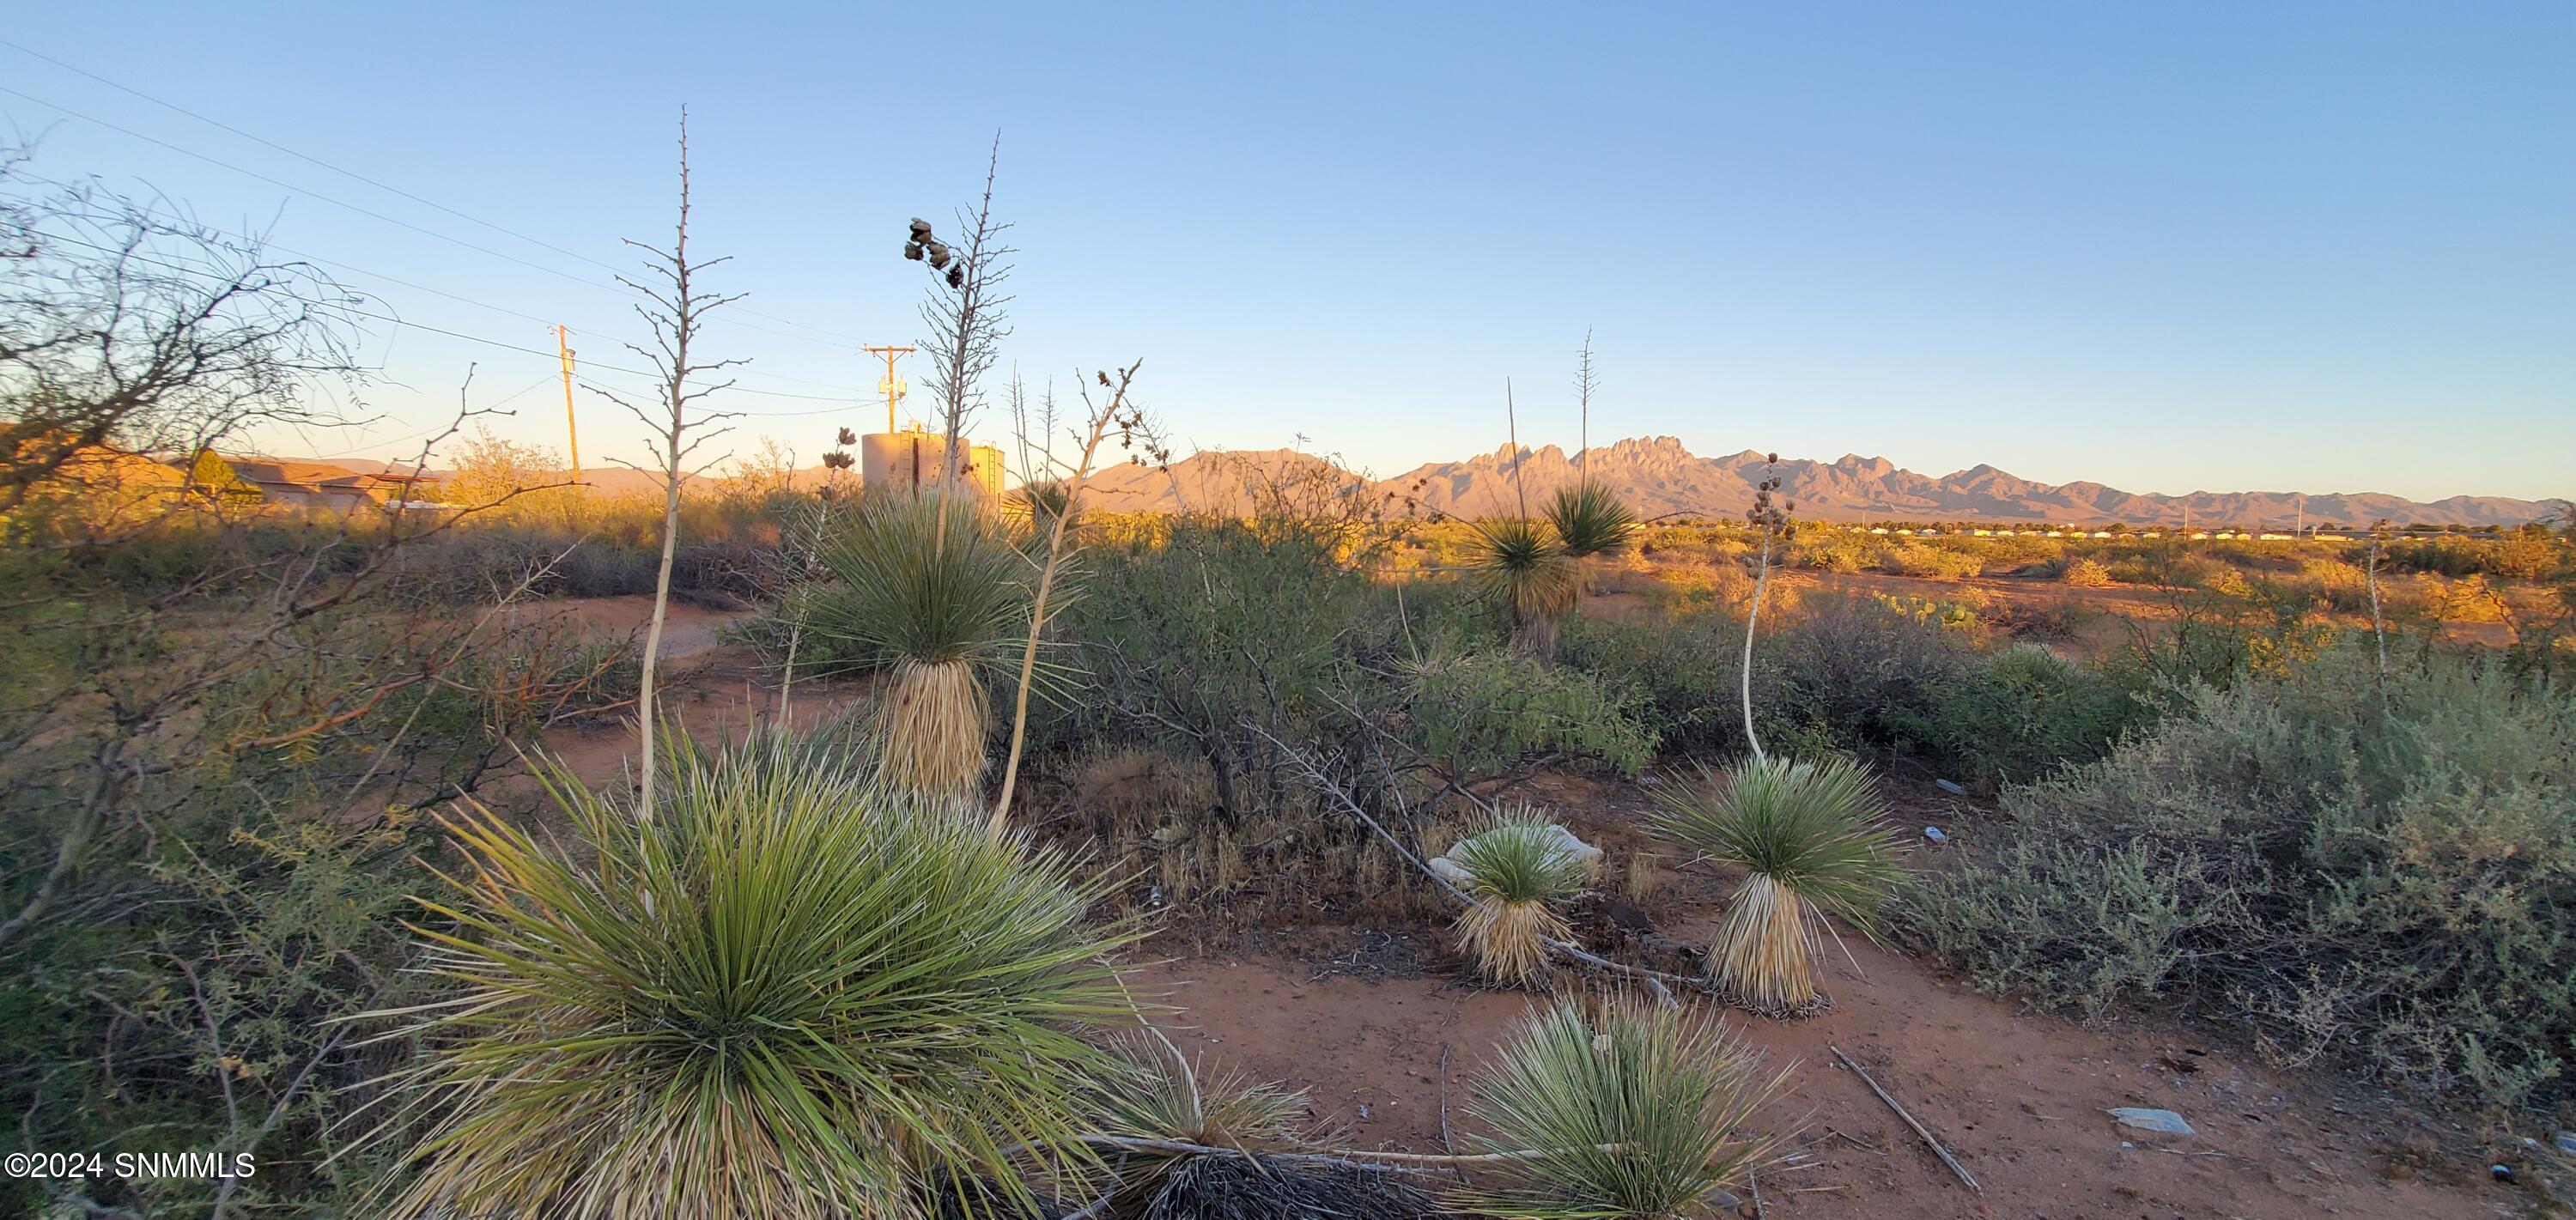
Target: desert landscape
<point x="477" y="776"/>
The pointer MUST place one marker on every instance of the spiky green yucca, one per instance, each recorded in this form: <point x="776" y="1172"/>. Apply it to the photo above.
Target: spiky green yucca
<point x="935" y="594"/>
<point x="1039" y="502"/>
<point x="783" y="997"/>
<point x="1808" y="835"/>
<point x="1521" y="566"/>
<point x="1517" y="868"/>
<point x="1591" y="519"/>
<point x="1630" y="1110"/>
<point x="1157" y="1095"/>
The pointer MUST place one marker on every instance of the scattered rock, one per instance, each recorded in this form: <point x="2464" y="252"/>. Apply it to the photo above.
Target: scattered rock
<point x="2163" y="1121"/>
<point x="1934" y="833"/>
<point x="1949" y="787"/>
<point x="2566" y="1141"/>
<point x="1566" y="844"/>
<point x="2501" y="1173"/>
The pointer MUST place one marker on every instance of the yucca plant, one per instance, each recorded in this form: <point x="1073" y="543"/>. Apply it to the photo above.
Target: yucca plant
<point x="1039" y="502"/>
<point x="1591" y="519"/>
<point x="1521" y="566"/>
<point x="785" y="996"/>
<point x="1616" y="1108"/>
<point x="1808" y="836"/>
<point x="1157" y="1097"/>
<point x="937" y="597"/>
<point x="1516" y="870"/>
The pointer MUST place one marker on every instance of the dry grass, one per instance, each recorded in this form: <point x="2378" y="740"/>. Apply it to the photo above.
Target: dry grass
<point x="1764" y="952"/>
<point x="1507" y="940"/>
<point x="932" y="726"/>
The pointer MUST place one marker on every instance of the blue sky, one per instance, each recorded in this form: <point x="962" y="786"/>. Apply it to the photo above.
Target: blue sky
<point x="2315" y="247"/>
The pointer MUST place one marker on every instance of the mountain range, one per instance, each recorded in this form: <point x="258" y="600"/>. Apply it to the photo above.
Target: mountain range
<point x="1661" y="478"/>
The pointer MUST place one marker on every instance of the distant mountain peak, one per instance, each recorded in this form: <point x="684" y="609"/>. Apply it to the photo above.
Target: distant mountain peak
<point x="1659" y="476"/>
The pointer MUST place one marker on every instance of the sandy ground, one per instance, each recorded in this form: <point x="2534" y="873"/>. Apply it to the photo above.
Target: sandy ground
<point x="1376" y="1024"/>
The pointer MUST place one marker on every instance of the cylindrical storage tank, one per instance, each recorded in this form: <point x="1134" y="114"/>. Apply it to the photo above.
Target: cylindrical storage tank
<point x="910" y="461"/>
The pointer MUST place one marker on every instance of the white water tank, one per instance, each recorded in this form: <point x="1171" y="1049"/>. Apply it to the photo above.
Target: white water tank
<point x="910" y="459"/>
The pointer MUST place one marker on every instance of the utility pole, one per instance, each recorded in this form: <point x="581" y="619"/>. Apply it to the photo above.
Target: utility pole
<point x="892" y="385"/>
<point x="572" y="432"/>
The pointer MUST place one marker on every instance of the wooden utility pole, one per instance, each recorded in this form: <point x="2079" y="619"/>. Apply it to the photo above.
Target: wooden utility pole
<point x="572" y="432"/>
<point x="892" y="385"/>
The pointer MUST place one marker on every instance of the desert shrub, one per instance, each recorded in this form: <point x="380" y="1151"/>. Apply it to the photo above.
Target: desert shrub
<point x="1226" y="634"/>
<point x="2021" y="711"/>
<point x="1516" y="869"/>
<point x="1855" y="672"/>
<point x="2085" y="572"/>
<point x="1526" y="571"/>
<point x="1683" y="663"/>
<point x="1832" y="550"/>
<point x="1482" y="714"/>
<point x="1929" y="561"/>
<point x="2385" y="877"/>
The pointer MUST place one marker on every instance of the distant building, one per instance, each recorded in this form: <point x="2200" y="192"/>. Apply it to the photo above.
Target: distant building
<point x="310" y="487"/>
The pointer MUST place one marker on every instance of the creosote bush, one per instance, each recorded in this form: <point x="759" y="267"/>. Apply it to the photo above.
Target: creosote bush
<point x="1635" y="1112"/>
<point x="2378" y="875"/>
<point x="788" y="995"/>
<point x="1807" y="834"/>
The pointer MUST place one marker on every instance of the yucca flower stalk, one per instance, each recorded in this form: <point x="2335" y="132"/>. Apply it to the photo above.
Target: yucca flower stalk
<point x="1620" y="1109"/>
<point x="1517" y="870"/>
<point x="1520" y="565"/>
<point x="1808" y="835"/>
<point x="930" y="589"/>
<point x="1590" y="519"/>
<point x="786" y="996"/>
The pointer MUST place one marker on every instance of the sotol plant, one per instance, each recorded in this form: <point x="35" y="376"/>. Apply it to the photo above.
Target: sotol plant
<point x="1519" y="565"/>
<point x="930" y="588"/>
<point x="782" y="997"/>
<point x="1617" y="1109"/>
<point x="1591" y="520"/>
<point x="1517" y="869"/>
<point x="1807" y="834"/>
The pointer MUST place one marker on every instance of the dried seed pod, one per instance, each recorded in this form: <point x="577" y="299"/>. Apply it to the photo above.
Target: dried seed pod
<point x="938" y="255"/>
<point x="912" y="250"/>
<point x="957" y="276"/>
<point x="920" y="229"/>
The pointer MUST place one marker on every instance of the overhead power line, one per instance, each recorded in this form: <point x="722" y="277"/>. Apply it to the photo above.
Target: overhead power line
<point x="844" y="402"/>
<point x="356" y="176"/>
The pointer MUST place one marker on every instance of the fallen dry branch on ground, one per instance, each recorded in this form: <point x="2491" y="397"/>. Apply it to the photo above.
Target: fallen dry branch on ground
<point x="1937" y="1149"/>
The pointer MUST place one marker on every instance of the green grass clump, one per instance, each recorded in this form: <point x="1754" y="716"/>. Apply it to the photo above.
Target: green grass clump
<point x="1616" y="1110"/>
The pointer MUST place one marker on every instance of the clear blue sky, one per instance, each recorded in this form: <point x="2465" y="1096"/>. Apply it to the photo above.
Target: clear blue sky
<point x="2317" y="247"/>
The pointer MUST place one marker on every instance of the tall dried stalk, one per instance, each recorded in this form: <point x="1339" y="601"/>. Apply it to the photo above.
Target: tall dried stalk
<point x="1115" y="414"/>
<point x="678" y="310"/>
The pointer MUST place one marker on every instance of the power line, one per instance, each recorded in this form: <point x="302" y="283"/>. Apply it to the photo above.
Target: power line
<point x="353" y="174"/>
<point x="352" y="311"/>
<point x="363" y="211"/>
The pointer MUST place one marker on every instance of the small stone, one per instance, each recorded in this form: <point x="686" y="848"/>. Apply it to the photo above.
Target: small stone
<point x="2501" y="1173"/>
<point x="1950" y="787"/>
<point x="2162" y="1121"/>
<point x="2566" y="1141"/>
<point x="1934" y="833"/>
